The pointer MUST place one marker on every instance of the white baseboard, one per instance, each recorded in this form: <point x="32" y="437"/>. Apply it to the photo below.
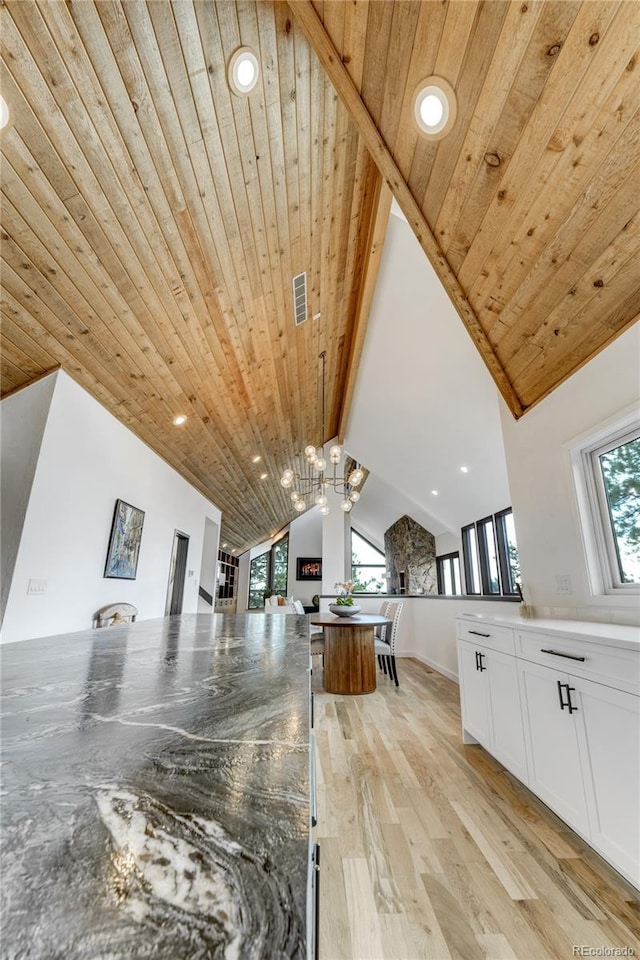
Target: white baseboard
<point x="430" y="663"/>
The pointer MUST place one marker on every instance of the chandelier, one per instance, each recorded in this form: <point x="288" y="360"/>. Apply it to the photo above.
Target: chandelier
<point x="319" y="477"/>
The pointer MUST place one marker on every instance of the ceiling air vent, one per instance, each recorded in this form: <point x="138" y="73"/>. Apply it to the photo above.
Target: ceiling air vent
<point x="300" y="298"/>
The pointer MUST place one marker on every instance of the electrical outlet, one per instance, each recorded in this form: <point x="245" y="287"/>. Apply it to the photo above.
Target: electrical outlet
<point x="563" y="584"/>
<point x="37" y="587"/>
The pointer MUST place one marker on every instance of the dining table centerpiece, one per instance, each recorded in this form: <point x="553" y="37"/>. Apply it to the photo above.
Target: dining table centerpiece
<point x="344" y="605"/>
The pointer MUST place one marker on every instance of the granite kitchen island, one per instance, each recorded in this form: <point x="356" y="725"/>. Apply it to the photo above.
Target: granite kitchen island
<point x="156" y="791"/>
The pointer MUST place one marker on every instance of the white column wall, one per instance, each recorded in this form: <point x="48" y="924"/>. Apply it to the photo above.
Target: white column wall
<point x="23" y="416"/>
<point x="87" y="460"/>
<point x="305" y="540"/>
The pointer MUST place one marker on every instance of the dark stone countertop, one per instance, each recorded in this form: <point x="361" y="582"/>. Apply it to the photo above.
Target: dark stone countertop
<point x="155" y="795"/>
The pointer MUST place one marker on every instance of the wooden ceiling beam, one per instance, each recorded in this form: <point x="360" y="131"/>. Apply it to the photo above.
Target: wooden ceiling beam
<point x="326" y="52"/>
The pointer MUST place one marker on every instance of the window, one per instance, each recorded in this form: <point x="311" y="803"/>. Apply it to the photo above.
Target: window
<point x="470" y="555"/>
<point x="280" y="566"/>
<point x="269" y="573"/>
<point x="258" y="579"/>
<point x="448" y="571"/>
<point x="367" y="566"/>
<point x="607" y="474"/>
<point x="508" y="552"/>
<point x="490" y="554"/>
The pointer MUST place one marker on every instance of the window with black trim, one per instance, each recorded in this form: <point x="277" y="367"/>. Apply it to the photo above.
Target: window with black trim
<point x="367" y="565"/>
<point x="470" y="559"/>
<point x="488" y="551"/>
<point x="269" y="573"/>
<point x="490" y="556"/>
<point x="448" y="572"/>
<point x="280" y="566"/>
<point x="508" y="552"/>
<point x="258" y="579"/>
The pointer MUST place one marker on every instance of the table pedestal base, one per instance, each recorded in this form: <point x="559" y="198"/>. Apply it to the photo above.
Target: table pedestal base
<point x="349" y="659"/>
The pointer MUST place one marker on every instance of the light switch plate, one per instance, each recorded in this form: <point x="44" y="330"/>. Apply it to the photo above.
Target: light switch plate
<point x="563" y="584"/>
<point x="37" y="587"/>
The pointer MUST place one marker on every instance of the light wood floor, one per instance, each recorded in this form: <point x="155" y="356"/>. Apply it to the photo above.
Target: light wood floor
<point x="429" y="848"/>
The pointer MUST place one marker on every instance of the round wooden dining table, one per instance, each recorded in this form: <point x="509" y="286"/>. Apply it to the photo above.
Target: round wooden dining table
<point x="349" y="658"/>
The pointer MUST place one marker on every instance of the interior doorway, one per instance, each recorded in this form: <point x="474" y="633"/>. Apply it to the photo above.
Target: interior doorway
<point x="177" y="573"/>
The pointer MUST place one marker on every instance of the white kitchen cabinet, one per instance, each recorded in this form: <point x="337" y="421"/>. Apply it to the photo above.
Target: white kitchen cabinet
<point x="490" y="700"/>
<point x="572" y="730"/>
<point x="555" y="771"/>
<point x="507" y="733"/>
<point x="475" y="704"/>
<point x="609" y="738"/>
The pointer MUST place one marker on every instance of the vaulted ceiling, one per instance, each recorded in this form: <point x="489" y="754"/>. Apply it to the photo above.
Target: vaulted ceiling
<point x="152" y="220"/>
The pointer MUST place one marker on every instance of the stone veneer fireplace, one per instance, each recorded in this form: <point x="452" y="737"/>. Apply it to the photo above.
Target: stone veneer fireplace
<point x="410" y="556"/>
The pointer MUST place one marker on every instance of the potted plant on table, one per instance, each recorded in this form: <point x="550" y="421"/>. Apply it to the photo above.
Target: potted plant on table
<point x="344" y="605"/>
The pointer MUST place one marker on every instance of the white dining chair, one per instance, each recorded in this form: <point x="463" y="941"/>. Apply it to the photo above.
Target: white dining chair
<point x="385" y="641"/>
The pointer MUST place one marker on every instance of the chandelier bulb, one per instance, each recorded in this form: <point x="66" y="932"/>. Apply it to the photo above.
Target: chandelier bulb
<point x="346" y="505"/>
<point x="321" y="464"/>
<point x="286" y="481"/>
<point x="324" y="510"/>
<point x="310" y="451"/>
<point x="354" y="496"/>
<point x="321" y="500"/>
<point x="355" y="477"/>
<point x="295" y="495"/>
<point x="299" y="505"/>
<point x="335" y="452"/>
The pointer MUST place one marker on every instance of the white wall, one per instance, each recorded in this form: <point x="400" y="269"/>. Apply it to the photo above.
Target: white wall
<point x="88" y="460"/>
<point x="23" y="418"/>
<point x="305" y="540"/>
<point x="424" y="404"/>
<point x="544" y="505"/>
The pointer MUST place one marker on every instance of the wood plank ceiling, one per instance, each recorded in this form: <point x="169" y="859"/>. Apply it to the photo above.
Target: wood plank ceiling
<point x="152" y="221"/>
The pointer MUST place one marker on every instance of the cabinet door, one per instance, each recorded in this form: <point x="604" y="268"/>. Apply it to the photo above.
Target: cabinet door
<point x="506" y="715"/>
<point x="474" y="694"/>
<point x="609" y="735"/>
<point x="553" y="758"/>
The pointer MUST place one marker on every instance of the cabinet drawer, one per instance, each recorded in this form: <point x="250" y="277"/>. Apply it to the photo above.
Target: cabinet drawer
<point x="614" y="666"/>
<point x="487" y="635"/>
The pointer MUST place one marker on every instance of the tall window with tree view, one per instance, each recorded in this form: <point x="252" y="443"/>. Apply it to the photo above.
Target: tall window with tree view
<point x="280" y="566"/>
<point x="367" y="566"/>
<point x="258" y="580"/>
<point x="618" y="487"/>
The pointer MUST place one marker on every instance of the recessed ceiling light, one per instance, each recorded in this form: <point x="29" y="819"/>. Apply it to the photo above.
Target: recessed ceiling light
<point x="244" y="71"/>
<point x="4" y="113"/>
<point x="178" y="421"/>
<point x="256" y="459"/>
<point x="435" y="493"/>
<point x="435" y="107"/>
<point x="263" y="476"/>
<point x="464" y="469"/>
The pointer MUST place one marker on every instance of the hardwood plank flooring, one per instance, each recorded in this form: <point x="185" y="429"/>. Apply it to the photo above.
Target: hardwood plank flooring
<point x="431" y="849"/>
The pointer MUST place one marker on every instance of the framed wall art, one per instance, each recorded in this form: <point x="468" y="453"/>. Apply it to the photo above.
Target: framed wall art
<point x="309" y="568"/>
<point x="124" y="542"/>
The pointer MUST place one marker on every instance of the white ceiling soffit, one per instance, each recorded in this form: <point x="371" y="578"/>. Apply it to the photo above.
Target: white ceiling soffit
<point x="424" y="403"/>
